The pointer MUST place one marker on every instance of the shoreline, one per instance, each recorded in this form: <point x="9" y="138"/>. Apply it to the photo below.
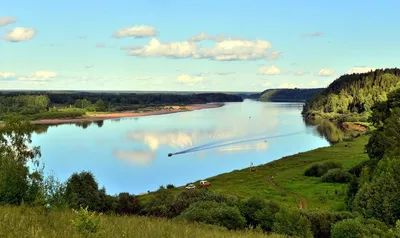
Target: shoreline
<point x="125" y="114"/>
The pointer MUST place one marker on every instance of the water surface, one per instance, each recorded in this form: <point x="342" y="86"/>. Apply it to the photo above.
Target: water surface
<point x="131" y="154"/>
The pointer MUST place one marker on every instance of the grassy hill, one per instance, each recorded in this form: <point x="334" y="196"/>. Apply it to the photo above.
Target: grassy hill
<point x="36" y="222"/>
<point x="288" y="95"/>
<point x="353" y="95"/>
<point x="283" y="180"/>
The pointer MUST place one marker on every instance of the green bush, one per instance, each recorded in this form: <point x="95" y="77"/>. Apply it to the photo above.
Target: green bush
<point x="55" y="115"/>
<point x="169" y="186"/>
<point x="336" y="176"/>
<point x="86" y="222"/>
<point x="214" y="213"/>
<point x="322" y="221"/>
<point x="161" y="204"/>
<point x="292" y="223"/>
<point x="265" y="217"/>
<point x="249" y="207"/>
<point x="317" y="170"/>
<point x="128" y="204"/>
<point x="354" y="228"/>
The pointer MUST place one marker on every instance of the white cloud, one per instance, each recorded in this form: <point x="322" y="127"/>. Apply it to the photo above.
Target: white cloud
<point x="7" y="20"/>
<point x="189" y="80"/>
<point x="287" y="85"/>
<point x="359" y="70"/>
<point x="273" y="56"/>
<point x="314" y="83"/>
<point x="267" y="84"/>
<point x="232" y="49"/>
<point x="5" y="75"/>
<point x="89" y="66"/>
<point x="40" y="75"/>
<point x="136" y="31"/>
<point x="269" y="70"/>
<point x="300" y="73"/>
<point x="315" y="34"/>
<point x="20" y="34"/>
<point x="224" y="50"/>
<point x="199" y="37"/>
<point x="326" y="72"/>
<point x="182" y="49"/>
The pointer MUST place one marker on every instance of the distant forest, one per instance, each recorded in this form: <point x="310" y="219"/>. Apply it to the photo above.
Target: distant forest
<point x="288" y="95"/>
<point x="38" y="105"/>
<point x="354" y="94"/>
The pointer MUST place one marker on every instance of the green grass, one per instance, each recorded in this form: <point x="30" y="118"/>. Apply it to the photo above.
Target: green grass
<point x="36" y="222"/>
<point x="288" y="173"/>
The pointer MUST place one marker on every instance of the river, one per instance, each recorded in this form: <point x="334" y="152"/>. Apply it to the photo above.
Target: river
<point x="131" y="154"/>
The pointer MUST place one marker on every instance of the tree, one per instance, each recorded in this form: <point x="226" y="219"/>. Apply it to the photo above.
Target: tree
<point x="83" y="191"/>
<point x="128" y="204"/>
<point x="100" y="106"/>
<point x="292" y="223"/>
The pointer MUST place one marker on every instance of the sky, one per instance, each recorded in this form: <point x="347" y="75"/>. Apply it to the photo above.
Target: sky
<point x="208" y="45"/>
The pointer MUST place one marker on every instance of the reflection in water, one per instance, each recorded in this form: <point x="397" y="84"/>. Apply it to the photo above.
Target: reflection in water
<point x="326" y="129"/>
<point x="135" y="157"/>
<point x="84" y="124"/>
<point x="99" y="123"/>
<point x="257" y="146"/>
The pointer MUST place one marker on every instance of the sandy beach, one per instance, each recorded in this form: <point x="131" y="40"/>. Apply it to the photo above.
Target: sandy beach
<point x="115" y="115"/>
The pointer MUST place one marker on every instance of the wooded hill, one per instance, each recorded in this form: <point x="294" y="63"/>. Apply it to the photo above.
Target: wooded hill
<point x="353" y="96"/>
<point x="288" y="95"/>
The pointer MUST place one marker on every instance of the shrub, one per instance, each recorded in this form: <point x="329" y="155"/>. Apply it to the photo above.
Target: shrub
<point x="354" y="228"/>
<point x="214" y="213"/>
<point x="292" y="223"/>
<point x="336" y="176"/>
<point x="265" y="217"/>
<point x="249" y="207"/>
<point x="86" y="222"/>
<point x="161" y="204"/>
<point x="170" y="186"/>
<point x="322" y="221"/>
<point x="128" y="204"/>
<point x="13" y="181"/>
<point x="317" y="170"/>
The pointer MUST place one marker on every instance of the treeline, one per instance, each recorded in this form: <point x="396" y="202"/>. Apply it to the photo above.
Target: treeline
<point x="50" y="105"/>
<point x="120" y="99"/>
<point x="353" y="96"/>
<point x="288" y="95"/>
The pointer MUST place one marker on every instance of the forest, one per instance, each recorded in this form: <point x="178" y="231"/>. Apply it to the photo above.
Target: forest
<point x="49" y="105"/>
<point x="288" y="95"/>
<point x="352" y="97"/>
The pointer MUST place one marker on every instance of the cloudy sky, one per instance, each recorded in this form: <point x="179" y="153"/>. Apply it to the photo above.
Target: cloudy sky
<point x="203" y="45"/>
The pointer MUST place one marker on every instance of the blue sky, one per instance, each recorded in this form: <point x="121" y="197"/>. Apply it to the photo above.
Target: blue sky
<point x="193" y="45"/>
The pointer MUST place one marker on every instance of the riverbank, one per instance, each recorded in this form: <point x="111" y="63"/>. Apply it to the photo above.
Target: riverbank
<point x="283" y="180"/>
<point x="115" y="115"/>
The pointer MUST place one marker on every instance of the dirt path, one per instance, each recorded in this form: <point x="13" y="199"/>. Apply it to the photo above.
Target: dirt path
<point x="302" y="200"/>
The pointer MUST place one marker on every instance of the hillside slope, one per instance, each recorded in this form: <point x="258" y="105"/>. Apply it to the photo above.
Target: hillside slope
<point x="288" y="95"/>
<point x="353" y="94"/>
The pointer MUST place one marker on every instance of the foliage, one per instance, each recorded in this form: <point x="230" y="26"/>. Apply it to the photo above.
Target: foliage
<point x="82" y="191"/>
<point x="336" y="176"/>
<point x="354" y="94"/>
<point x="379" y="198"/>
<point x="161" y="204"/>
<point x="292" y="223"/>
<point x="54" y="192"/>
<point x="86" y="222"/>
<point x="322" y="221"/>
<point x="169" y="186"/>
<point x="211" y="212"/>
<point x="259" y="212"/>
<point x="289" y="95"/>
<point x="128" y="204"/>
<point x="317" y="170"/>
<point x="354" y="228"/>
<point x="24" y="104"/>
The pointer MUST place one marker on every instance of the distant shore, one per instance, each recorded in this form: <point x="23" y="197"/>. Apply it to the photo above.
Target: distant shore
<point x="115" y="115"/>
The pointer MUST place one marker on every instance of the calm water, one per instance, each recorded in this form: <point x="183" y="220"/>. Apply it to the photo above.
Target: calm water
<point x="130" y="155"/>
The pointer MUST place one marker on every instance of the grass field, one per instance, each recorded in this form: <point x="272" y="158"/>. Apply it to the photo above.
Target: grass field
<point x="34" y="222"/>
<point x="288" y="174"/>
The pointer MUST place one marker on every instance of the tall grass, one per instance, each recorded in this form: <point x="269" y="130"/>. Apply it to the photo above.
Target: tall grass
<point x="38" y="222"/>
